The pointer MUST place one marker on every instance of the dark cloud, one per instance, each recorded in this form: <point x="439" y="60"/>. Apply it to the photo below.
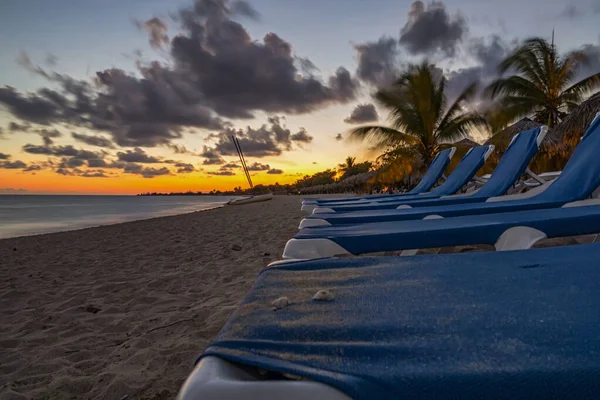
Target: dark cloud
<point x="70" y="157"/>
<point x="94" y="174"/>
<point x="261" y="142"/>
<point x="180" y="149"/>
<point x="34" y="149"/>
<point x="17" y="164"/>
<point x="4" y="156"/>
<point x="592" y="52"/>
<point x="51" y="60"/>
<point x="214" y="69"/>
<point x="487" y="53"/>
<point x="275" y="171"/>
<point x="132" y="168"/>
<point x="239" y="75"/>
<point x="314" y="162"/>
<point x="48" y="134"/>
<point x="71" y="163"/>
<point x="157" y="29"/>
<point x="15" y="127"/>
<point x="339" y="137"/>
<point x="183" y="168"/>
<point x="66" y="172"/>
<point x="572" y="11"/>
<point x="212" y="157"/>
<point x="362" y="113"/>
<point x="377" y="61"/>
<point x="243" y="8"/>
<point x="100" y="163"/>
<point x="33" y="167"/>
<point x="431" y="29"/>
<point x="137" y="156"/>
<point x="31" y="107"/>
<point x="221" y="173"/>
<point x="97" y="141"/>
<point x="230" y="165"/>
<point x="301" y="136"/>
<point x="258" y="167"/>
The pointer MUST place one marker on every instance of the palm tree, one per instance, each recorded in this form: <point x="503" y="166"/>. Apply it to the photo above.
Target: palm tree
<point x="543" y="85"/>
<point x="421" y="120"/>
<point x="347" y="165"/>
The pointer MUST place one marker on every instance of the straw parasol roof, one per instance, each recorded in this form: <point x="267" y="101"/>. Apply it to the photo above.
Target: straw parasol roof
<point x="503" y="138"/>
<point x="466" y="142"/>
<point x="575" y="124"/>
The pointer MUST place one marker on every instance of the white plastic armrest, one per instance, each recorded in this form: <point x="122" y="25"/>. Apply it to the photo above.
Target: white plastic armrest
<point x="217" y="379"/>
<point x="312" y="248"/>
<point x="312" y="222"/>
<point x="519" y="238"/>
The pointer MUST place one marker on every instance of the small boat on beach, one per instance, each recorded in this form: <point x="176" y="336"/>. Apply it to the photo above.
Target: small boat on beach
<point x="251" y="199"/>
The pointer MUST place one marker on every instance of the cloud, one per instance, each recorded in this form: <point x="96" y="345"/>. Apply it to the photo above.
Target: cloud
<point x="97" y="141"/>
<point x="221" y="173"/>
<point x="51" y="60"/>
<point x="184" y="168"/>
<point x="157" y="29"/>
<point x="65" y="151"/>
<point x="377" y="61"/>
<point x="258" y="142"/>
<point x="15" y="127"/>
<point x="12" y="190"/>
<point x="94" y="174"/>
<point x="487" y="53"/>
<point x="258" y="167"/>
<point x="362" y="113"/>
<point x="211" y="156"/>
<point x="180" y="149"/>
<point x="339" y="137"/>
<point x="48" y="134"/>
<point x="213" y="69"/>
<point x="13" y="164"/>
<point x="4" y="156"/>
<point x="274" y="171"/>
<point x="301" y="136"/>
<point x="592" y="52"/>
<point x="431" y="29"/>
<point x="137" y="156"/>
<point x="33" y="167"/>
<point x="132" y="168"/>
<point x="32" y="107"/>
<point x="230" y="165"/>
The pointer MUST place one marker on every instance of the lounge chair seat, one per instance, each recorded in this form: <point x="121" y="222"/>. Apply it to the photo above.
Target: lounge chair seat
<point x="510" y="325"/>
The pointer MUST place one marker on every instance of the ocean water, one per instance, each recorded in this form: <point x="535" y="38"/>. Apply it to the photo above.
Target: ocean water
<point x="23" y="215"/>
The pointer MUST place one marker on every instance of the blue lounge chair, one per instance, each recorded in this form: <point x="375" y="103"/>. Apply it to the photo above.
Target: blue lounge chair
<point x="511" y="167"/>
<point x="460" y="176"/>
<point x="432" y="175"/>
<point x="577" y="218"/>
<point x="580" y="177"/>
<point x="511" y="325"/>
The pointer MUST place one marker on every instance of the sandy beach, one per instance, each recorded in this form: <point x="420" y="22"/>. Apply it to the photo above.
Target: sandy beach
<point x="121" y="311"/>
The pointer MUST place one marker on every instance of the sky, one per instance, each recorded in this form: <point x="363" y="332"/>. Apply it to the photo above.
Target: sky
<point x="123" y="97"/>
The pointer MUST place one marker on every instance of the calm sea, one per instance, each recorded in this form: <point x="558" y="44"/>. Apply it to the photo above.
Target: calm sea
<point x="22" y="215"/>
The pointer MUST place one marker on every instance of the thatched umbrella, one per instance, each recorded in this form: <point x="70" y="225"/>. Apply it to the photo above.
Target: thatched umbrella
<point x="574" y="125"/>
<point x="466" y="142"/>
<point x="503" y="138"/>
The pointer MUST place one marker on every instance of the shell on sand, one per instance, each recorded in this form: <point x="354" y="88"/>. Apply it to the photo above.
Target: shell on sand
<point x="280" y="303"/>
<point x="323" y="295"/>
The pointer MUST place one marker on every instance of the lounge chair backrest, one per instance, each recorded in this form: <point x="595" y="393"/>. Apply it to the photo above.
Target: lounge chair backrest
<point x="435" y="171"/>
<point x="581" y="176"/>
<point x="514" y="161"/>
<point x="465" y="170"/>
